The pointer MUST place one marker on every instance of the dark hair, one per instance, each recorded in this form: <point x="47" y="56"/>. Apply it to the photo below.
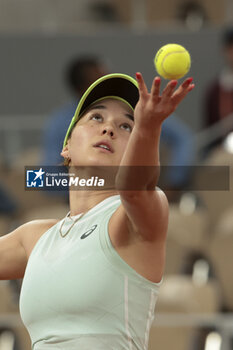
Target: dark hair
<point x="77" y="72"/>
<point x="227" y="37"/>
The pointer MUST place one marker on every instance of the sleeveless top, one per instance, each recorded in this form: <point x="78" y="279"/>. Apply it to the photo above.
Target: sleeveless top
<point x="79" y="294"/>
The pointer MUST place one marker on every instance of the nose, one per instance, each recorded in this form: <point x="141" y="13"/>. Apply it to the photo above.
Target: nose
<point x="109" y="130"/>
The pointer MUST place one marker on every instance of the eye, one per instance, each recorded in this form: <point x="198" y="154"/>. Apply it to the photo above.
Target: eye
<point x="127" y="127"/>
<point x="96" y="116"/>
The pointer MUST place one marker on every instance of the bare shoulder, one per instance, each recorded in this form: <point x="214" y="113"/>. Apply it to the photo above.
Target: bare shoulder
<point x="16" y="247"/>
<point x="31" y="232"/>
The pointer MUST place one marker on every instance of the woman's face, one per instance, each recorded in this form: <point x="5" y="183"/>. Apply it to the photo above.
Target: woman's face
<point x="108" y="121"/>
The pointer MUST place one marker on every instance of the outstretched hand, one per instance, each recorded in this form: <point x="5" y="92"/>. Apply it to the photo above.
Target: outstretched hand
<point x="153" y="107"/>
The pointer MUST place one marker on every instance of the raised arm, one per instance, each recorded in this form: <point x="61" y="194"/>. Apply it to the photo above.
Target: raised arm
<point x="148" y="210"/>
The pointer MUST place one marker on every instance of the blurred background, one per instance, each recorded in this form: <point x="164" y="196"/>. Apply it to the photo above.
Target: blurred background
<point x="51" y="51"/>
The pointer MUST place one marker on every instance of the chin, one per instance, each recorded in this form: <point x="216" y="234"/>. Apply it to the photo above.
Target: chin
<point x="94" y="162"/>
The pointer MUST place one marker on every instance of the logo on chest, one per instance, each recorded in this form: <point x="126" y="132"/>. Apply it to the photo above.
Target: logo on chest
<point x="88" y="232"/>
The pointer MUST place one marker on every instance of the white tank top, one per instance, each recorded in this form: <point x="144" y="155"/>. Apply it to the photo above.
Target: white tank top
<point x="79" y="294"/>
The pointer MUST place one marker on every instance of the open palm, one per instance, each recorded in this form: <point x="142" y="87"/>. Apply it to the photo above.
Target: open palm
<point x="153" y="107"/>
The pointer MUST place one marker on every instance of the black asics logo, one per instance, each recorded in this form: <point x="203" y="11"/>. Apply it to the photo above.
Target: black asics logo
<point x="86" y="234"/>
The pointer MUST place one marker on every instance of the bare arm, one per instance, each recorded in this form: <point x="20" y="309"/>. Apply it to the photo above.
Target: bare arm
<point x="148" y="210"/>
<point x="15" y="247"/>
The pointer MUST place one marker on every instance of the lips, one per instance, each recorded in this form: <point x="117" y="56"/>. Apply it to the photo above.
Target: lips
<point x="106" y="144"/>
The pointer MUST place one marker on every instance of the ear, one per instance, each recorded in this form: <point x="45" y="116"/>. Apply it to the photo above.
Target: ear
<point x="65" y="152"/>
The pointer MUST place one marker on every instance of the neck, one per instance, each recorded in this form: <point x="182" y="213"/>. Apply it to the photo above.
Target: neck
<point x="82" y="201"/>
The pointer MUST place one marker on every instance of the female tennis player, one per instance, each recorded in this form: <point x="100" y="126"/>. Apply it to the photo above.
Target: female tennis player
<point x="91" y="280"/>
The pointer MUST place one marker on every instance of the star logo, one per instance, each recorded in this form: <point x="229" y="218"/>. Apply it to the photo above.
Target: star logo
<point x="35" y="178"/>
<point x="39" y="174"/>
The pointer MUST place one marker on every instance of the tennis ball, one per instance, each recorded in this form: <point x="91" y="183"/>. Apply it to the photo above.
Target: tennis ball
<point x="172" y="61"/>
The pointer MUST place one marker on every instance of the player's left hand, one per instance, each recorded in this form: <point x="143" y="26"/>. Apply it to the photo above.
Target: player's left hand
<point x="152" y="108"/>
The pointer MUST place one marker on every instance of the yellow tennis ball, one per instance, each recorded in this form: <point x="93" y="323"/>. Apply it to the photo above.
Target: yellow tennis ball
<point x="172" y="61"/>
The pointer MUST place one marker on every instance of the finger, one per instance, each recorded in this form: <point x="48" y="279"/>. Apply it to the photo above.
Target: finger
<point x="169" y="89"/>
<point x="143" y="92"/>
<point x="191" y="87"/>
<point x="185" y="85"/>
<point x="182" y="91"/>
<point x="155" y="88"/>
